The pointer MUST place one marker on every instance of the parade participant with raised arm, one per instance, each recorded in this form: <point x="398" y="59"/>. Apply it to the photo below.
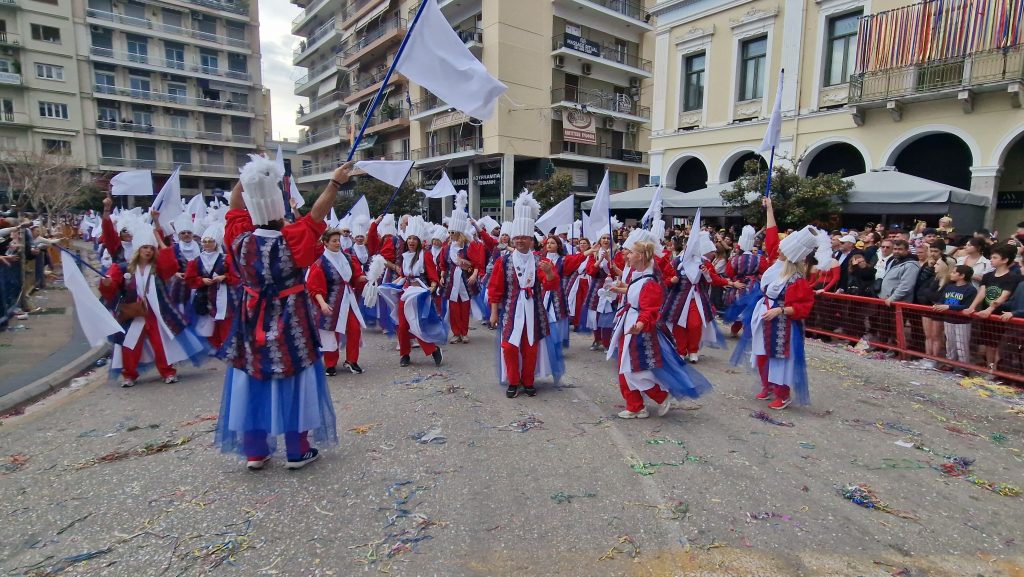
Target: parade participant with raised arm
<point x="412" y="297"/>
<point x="335" y="282"/>
<point x="462" y="264"/>
<point x="209" y="277"/>
<point x="275" y="383"/>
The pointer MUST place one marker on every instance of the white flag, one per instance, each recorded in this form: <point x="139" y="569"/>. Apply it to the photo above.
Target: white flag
<point x="360" y="207"/>
<point x="392" y="172"/>
<point x="691" y="254"/>
<point x="96" y="321"/>
<point x="332" y="220"/>
<point x="600" y="211"/>
<point x="654" y="208"/>
<point x="197" y="208"/>
<point x="168" y="202"/>
<point x="279" y="159"/>
<point x="293" y="190"/>
<point x="132" y="183"/>
<point x="771" y="136"/>
<point x="443" y="188"/>
<point x="438" y="60"/>
<point x="560" y="215"/>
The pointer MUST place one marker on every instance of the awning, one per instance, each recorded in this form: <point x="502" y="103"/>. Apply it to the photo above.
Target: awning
<point x="367" y="142"/>
<point x="327" y="86"/>
<point x="894" y="187"/>
<point x="636" y="199"/>
<point x="372" y="15"/>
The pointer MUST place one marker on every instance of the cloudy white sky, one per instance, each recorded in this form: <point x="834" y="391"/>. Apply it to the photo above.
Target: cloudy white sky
<point x="278" y="73"/>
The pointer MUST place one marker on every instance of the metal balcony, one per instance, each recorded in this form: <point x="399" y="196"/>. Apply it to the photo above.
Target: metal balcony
<point x="9" y="40"/>
<point x="601" y="102"/>
<point x="237" y="8"/>
<point x="10" y="78"/>
<point x="598" y="152"/>
<point x="171" y="99"/>
<point x="366" y="40"/>
<point x="165" y="28"/>
<point x="473" y="145"/>
<point x="600" y="52"/>
<point x="175" y="66"/>
<point x="172" y="132"/>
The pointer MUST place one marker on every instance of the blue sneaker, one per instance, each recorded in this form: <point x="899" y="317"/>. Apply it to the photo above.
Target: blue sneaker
<point x="310" y="456"/>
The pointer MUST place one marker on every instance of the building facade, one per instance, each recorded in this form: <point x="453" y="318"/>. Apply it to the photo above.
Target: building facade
<point x="867" y="85"/>
<point x="579" y="77"/>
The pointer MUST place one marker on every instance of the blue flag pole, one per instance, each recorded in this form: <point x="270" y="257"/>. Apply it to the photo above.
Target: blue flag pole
<point x="387" y="78"/>
<point x="768" y="184"/>
<point x="79" y="260"/>
<point x="398" y="188"/>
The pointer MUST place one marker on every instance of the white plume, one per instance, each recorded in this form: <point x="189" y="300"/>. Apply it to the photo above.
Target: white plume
<point x="376" y="270"/>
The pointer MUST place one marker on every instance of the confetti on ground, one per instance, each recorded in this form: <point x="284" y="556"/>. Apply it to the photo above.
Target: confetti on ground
<point x="525" y="424"/>
<point x="562" y="497"/>
<point x="807" y="445"/>
<point x="64" y="564"/>
<point x="14" y="463"/>
<point x="646" y="468"/>
<point x="410" y="528"/>
<point x="432" y="436"/>
<point x="864" y="496"/>
<point x="663" y="441"/>
<point x="363" y="429"/>
<point x="998" y="438"/>
<point x="151" y="448"/>
<point x="765" y="515"/>
<point x="633" y="549"/>
<point x="198" y="419"/>
<point x="897" y="427"/>
<point x="763" y="416"/>
<point x="960" y="467"/>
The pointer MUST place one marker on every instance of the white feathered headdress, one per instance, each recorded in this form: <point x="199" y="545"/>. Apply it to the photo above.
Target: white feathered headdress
<point x="525" y="215"/>
<point x="260" y="177"/>
<point x="373" y="276"/>
<point x="459" y="218"/>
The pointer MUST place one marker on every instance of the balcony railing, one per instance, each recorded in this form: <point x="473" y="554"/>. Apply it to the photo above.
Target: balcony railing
<point x="322" y="102"/>
<point x="978" y="69"/>
<point x="340" y="130"/>
<point x="598" y="151"/>
<point x="381" y="154"/>
<point x="10" y="78"/>
<point x="307" y="45"/>
<point x="391" y="25"/>
<point x="329" y="64"/>
<point x="168" y="166"/>
<point x="237" y="8"/>
<point x="166" y="28"/>
<point x="468" y="35"/>
<point x="165" y="64"/>
<point x="621" y="103"/>
<point x="355" y="6"/>
<point x="430" y="102"/>
<point x="626" y="8"/>
<point x="372" y="79"/>
<point x="451" y="147"/>
<point x="382" y="118"/>
<point x="604" y="51"/>
<point x="8" y="39"/>
<point x="171" y="131"/>
<point x="170" y="98"/>
<point x="311" y="9"/>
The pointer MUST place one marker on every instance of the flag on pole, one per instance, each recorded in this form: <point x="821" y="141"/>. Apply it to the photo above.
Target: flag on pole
<point x="197" y="208"/>
<point x="392" y="172"/>
<point x="443" y="188"/>
<point x="293" y="190"/>
<point x="771" y="136"/>
<point x="168" y="201"/>
<point x="332" y="220"/>
<point x="600" y="211"/>
<point x="279" y="159"/>
<point x="438" y="60"/>
<point x="655" y="208"/>
<point x="562" y="214"/>
<point x="96" y="321"/>
<point x="132" y="183"/>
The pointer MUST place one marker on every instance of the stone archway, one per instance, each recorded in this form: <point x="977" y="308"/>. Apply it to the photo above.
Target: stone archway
<point x="835" y="157"/>
<point x="939" y="156"/>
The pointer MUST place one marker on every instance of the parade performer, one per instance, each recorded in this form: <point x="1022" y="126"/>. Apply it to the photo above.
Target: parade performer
<point x="360" y="228"/>
<point x="496" y="245"/>
<point x="647" y="361"/>
<point x="554" y="301"/>
<point x="463" y="263"/>
<point x="186" y="249"/>
<point x="687" y="309"/>
<point x="275" y="383"/>
<point x="577" y="284"/>
<point x="116" y="240"/>
<point x="743" y="271"/>
<point x="209" y="278"/>
<point x="154" y="331"/>
<point x="600" y="311"/>
<point x="383" y="239"/>
<point x="518" y="279"/>
<point x="335" y="280"/>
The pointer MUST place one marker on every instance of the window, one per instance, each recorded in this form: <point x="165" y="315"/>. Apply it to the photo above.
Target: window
<point x="6" y="65"/>
<point x="7" y="110"/>
<point x="174" y="55"/>
<point x="53" y="146"/>
<point x="842" y="47"/>
<point x="181" y="155"/>
<point x="693" y="83"/>
<point x="179" y="123"/>
<point x="139" y="84"/>
<point x="53" y="110"/>
<point x="45" y="33"/>
<point x="111" y="148"/>
<point x="49" y="71"/>
<point x="145" y="153"/>
<point x="238" y="63"/>
<point x="752" y="63"/>
<point x="107" y="116"/>
<point x="209" y="62"/>
<point x="138" y="49"/>
<point x="104" y="82"/>
<point x="178" y="92"/>
<point x="142" y="118"/>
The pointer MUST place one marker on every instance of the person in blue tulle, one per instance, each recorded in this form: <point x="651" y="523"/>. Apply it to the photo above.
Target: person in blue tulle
<point x="647" y="359"/>
<point x="275" y="384"/>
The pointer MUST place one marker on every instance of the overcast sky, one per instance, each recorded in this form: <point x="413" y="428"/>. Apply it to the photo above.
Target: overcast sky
<point x="278" y="73"/>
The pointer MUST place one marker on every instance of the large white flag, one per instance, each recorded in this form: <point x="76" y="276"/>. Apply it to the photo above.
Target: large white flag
<point x="771" y="136"/>
<point x="392" y="172"/>
<point x="132" y="183"/>
<point x="655" y="208"/>
<point x="438" y="60"/>
<point x="443" y="188"/>
<point x="168" y="202"/>
<point x="279" y="159"/>
<point x="600" y="211"/>
<point x="96" y="321"/>
<point x="561" y="215"/>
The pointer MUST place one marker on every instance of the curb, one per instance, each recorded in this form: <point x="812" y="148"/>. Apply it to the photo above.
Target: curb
<point x="52" y="382"/>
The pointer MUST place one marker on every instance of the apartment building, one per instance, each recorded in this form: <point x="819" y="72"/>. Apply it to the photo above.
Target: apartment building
<point x="169" y="83"/>
<point x="868" y="84"/>
<point x="578" y="73"/>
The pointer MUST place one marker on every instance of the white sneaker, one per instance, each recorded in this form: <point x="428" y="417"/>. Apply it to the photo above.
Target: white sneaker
<point x="665" y="407"/>
<point x="171" y="379"/>
<point x="127" y="383"/>
<point x="693" y="358"/>
<point x="641" y="414"/>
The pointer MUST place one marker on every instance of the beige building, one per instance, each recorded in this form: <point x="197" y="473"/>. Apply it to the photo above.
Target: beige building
<point x="588" y="61"/>
<point x="849" y="103"/>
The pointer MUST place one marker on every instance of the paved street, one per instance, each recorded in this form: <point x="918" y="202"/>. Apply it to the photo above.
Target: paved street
<point x="108" y="481"/>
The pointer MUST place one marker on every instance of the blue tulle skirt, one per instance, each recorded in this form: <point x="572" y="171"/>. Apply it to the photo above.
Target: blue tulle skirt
<point x="257" y="409"/>
<point x="679" y="378"/>
<point x="433" y="327"/>
<point x="369" y="314"/>
<point x="792" y="371"/>
<point x="384" y="318"/>
<point x="743" y="310"/>
<point x="197" y="349"/>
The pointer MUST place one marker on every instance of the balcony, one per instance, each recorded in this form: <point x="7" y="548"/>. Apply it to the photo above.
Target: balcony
<point x="11" y="117"/>
<point x="321" y="36"/>
<point x="369" y="84"/>
<point x="604" y="54"/>
<point x="320" y="106"/>
<point x="473" y="38"/>
<point x="170" y="99"/>
<point x="319" y="72"/>
<point x="446" y="151"/>
<point x="396" y="118"/>
<point x="10" y="78"/>
<point x="616" y="105"/>
<point x="375" y="41"/>
<point x="629" y="12"/>
<point x="427" y="107"/>
<point x="166" y="28"/>
<point x="987" y="71"/>
<point x="235" y="8"/>
<point x="171" y="132"/>
<point x="9" y="3"/>
<point x="9" y="40"/>
<point x="356" y="9"/>
<point x="598" y="153"/>
<point x="161" y="64"/>
<point x="225" y="170"/>
<point x="304" y="17"/>
<point x="330" y="136"/>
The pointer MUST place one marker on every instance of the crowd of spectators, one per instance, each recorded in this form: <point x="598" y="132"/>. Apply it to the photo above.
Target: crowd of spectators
<point x="27" y="260"/>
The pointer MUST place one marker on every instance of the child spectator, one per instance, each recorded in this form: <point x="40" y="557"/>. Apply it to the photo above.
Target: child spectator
<point x="996" y="288"/>
<point x="956" y="296"/>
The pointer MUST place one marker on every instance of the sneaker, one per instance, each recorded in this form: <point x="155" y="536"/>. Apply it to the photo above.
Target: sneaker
<point x="171" y="379"/>
<point x="22" y="317"/>
<point x="437" y="357"/>
<point x="665" y="407"/>
<point x="127" y="383"/>
<point x="465" y="340"/>
<point x="256" y="463"/>
<point x="778" y="404"/>
<point x="530" y="391"/>
<point x="310" y="456"/>
<point x="331" y="371"/>
<point x="512" y="391"/>
<point x="693" y="358"/>
<point x="354" y="367"/>
<point x="404" y="361"/>
<point x="455" y="340"/>
<point x="594" y="346"/>
<point x="765" y="394"/>
<point x="600" y="348"/>
<point x="641" y="414"/>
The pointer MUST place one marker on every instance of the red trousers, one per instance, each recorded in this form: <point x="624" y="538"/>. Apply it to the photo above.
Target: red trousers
<point x="634" y="400"/>
<point x="780" y="391"/>
<point x="130" y="357"/>
<point x="581" y="299"/>
<point x="520" y="361"/>
<point x="221" y="332"/>
<point x="405" y="337"/>
<point x="688" y="338"/>
<point x="458" y="315"/>
<point x="353" y="334"/>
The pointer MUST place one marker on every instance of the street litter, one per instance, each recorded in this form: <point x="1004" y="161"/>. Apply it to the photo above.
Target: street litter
<point x="525" y="424"/>
<point x="763" y="416"/>
<point x="363" y="429"/>
<point x="432" y="436"/>
<point x="562" y="497"/>
<point x="864" y="496"/>
<point x="633" y="549"/>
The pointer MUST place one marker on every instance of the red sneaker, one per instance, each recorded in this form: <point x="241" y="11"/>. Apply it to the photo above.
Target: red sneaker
<point x="765" y="394"/>
<point x="778" y="404"/>
<point x="256" y="463"/>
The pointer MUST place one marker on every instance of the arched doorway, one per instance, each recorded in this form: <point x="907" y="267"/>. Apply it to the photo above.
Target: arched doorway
<point x="737" y="168"/>
<point x="692" y="175"/>
<point x="837" y="157"/>
<point x="941" y="157"/>
<point x="1009" y="209"/>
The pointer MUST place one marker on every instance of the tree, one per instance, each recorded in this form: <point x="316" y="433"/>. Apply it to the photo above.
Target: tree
<point x="48" y="182"/>
<point x="798" y="201"/>
<point x="551" y="191"/>
<point x="407" y="201"/>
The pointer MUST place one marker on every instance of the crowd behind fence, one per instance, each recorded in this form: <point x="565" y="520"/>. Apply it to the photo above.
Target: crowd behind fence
<point x="10" y="288"/>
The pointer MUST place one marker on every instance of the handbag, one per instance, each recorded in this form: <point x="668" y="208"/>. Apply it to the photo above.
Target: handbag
<point x="127" y="312"/>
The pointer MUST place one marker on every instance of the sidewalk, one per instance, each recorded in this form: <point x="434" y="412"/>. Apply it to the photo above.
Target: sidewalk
<point x="44" y="348"/>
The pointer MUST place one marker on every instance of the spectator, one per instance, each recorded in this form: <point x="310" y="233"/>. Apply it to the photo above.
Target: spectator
<point x="1020" y="232"/>
<point x="931" y="279"/>
<point x="946" y="226"/>
<point x="881" y="261"/>
<point x="956" y="296"/>
<point x="861" y="282"/>
<point x="900" y="275"/>
<point x="842" y="256"/>
<point x="996" y="288"/>
<point x="871" y="239"/>
<point x="974" y="257"/>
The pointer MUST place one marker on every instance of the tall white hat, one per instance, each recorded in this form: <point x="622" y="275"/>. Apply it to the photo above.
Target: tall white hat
<point x="419" y="228"/>
<point x="801" y="244"/>
<point x="706" y="244"/>
<point x="488" y="224"/>
<point x="524" y="215"/>
<point x="260" y="177"/>
<point x="439" y="232"/>
<point x="360" y="225"/>
<point x="142" y="235"/>
<point x="387" y="225"/>
<point x="183" y="223"/>
<point x="459" y="218"/>
<point x="506" y="228"/>
<point x="216" y="232"/>
<point x="747" y="237"/>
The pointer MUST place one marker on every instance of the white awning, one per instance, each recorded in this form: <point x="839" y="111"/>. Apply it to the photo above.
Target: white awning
<point x="327" y="86"/>
<point x="372" y="15"/>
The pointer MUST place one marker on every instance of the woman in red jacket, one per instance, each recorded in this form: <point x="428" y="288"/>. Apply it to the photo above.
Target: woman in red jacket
<point x="334" y="281"/>
<point x="411" y="295"/>
<point x="577" y="284"/>
<point x="209" y="276"/>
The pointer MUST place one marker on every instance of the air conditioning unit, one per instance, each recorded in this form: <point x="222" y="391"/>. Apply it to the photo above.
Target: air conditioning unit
<point x="559" y="61"/>
<point x="586" y="69"/>
<point x="632" y="128"/>
<point x="609" y="123"/>
<point x="634" y="82"/>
